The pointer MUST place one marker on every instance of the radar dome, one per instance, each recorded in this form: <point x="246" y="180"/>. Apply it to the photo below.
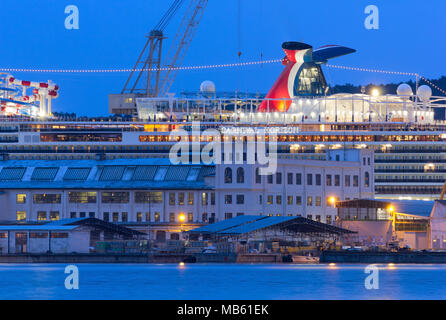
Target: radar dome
<point x="424" y="92"/>
<point x="207" y="87"/>
<point x="404" y="90"/>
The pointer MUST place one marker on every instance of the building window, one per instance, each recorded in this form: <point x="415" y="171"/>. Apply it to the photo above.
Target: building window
<point x="240" y="175"/>
<point x="347" y="181"/>
<point x="279" y="178"/>
<point x="41" y="215"/>
<point x="309" y="201"/>
<point x="171" y="198"/>
<point x="190" y="217"/>
<point x="318" y="180"/>
<point x="278" y="199"/>
<point x="318" y="218"/>
<point x="328" y="180"/>
<point x="21" y="215"/>
<point x="148" y="217"/>
<point x="290" y="200"/>
<point x="240" y="199"/>
<point x="172" y="217"/>
<point x="204" y="217"/>
<point x="82" y="197"/>
<point x="269" y="179"/>
<point x="337" y="180"/>
<point x="212" y="198"/>
<point x="21" y="198"/>
<point x="72" y="215"/>
<point x="228" y="199"/>
<point x="59" y="235"/>
<point x="239" y="214"/>
<point x="328" y="219"/>
<point x="139" y="217"/>
<point x="355" y="181"/>
<point x="82" y="215"/>
<point x="115" y="197"/>
<point x="318" y="201"/>
<point x="125" y="217"/>
<point x="309" y="179"/>
<point x="366" y="179"/>
<point x="269" y="200"/>
<point x="290" y="178"/>
<point x="228" y="215"/>
<point x="181" y="198"/>
<point x="228" y="175"/>
<point x="204" y="199"/>
<point x="47" y="198"/>
<point x="148" y="197"/>
<point x="106" y="216"/>
<point x="299" y="178"/>
<point x="190" y="198"/>
<point x="309" y="216"/>
<point x="54" y="215"/>
<point x="115" y="216"/>
<point x="298" y="200"/>
<point x="258" y="176"/>
<point x="260" y="199"/>
<point x="157" y="217"/>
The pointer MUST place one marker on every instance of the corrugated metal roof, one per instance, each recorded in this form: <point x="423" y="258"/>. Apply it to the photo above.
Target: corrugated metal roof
<point x="227" y="224"/>
<point x="12" y="173"/>
<point x="77" y="174"/>
<point x="256" y="225"/>
<point x="44" y="174"/>
<point x="412" y="207"/>
<point x="112" y="173"/>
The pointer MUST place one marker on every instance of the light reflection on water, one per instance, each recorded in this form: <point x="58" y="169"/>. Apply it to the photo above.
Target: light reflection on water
<point x="222" y="281"/>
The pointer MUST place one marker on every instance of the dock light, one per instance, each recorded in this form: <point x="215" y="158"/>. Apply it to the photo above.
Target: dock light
<point x="375" y="92"/>
<point x="391" y="209"/>
<point x="332" y="201"/>
<point x="182" y="217"/>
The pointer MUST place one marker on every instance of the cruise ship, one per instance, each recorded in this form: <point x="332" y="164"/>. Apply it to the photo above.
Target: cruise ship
<point x="407" y="139"/>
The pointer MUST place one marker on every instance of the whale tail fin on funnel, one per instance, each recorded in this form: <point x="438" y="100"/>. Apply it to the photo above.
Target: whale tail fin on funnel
<point x="297" y="54"/>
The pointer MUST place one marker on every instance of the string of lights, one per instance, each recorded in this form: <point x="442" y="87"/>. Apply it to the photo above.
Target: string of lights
<point x="214" y="66"/>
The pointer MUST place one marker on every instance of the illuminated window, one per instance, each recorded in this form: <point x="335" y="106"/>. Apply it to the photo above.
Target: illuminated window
<point x="228" y="175"/>
<point x="115" y="197"/>
<point x="54" y="215"/>
<point x="41" y="216"/>
<point x="21" y="215"/>
<point x="47" y="198"/>
<point x="148" y="197"/>
<point x="190" y="217"/>
<point x="181" y="198"/>
<point x="21" y="198"/>
<point x="82" y="197"/>
<point x="157" y="217"/>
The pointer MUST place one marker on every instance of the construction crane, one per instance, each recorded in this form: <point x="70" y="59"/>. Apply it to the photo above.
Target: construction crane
<point x="158" y="83"/>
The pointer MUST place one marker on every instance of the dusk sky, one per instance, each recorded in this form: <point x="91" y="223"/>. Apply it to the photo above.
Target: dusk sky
<point x="111" y="35"/>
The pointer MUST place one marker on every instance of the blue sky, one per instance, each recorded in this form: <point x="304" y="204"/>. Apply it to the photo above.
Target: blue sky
<point x="111" y="35"/>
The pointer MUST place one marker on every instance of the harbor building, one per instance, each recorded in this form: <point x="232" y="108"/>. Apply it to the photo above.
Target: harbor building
<point x="162" y="200"/>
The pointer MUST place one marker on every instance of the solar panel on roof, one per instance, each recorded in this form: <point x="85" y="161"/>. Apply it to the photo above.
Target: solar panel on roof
<point x="44" y="174"/>
<point x="112" y="173"/>
<point x="177" y="173"/>
<point x="77" y="174"/>
<point x="144" y="173"/>
<point x="12" y="174"/>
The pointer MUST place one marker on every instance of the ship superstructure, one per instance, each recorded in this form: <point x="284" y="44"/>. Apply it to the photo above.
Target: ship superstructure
<point x="408" y="140"/>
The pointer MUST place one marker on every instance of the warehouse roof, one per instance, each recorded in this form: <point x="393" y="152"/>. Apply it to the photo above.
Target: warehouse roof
<point x="247" y="224"/>
<point x="410" y="207"/>
<point x="107" y="174"/>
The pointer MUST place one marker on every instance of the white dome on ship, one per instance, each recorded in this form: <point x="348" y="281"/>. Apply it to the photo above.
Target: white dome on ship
<point x="424" y="92"/>
<point x="207" y="87"/>
<point x="404" y="90"/>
